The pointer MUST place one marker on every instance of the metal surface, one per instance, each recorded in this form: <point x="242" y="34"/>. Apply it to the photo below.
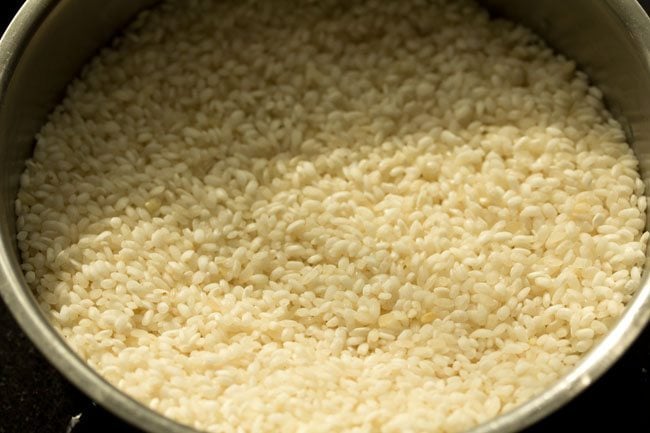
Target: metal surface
<point x="49" y="41"/>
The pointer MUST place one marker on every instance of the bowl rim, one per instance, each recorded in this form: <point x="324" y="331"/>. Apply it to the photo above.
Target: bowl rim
<point x="24" y="307"/>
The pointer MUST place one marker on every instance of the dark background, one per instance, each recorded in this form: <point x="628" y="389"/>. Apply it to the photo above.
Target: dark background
<point x="34" y="397"/>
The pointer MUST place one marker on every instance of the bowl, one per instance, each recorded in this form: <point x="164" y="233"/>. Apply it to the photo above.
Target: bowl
<point x="49" y="41"/>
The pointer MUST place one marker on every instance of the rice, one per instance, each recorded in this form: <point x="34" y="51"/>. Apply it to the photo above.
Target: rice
<point x="357" y="216"/>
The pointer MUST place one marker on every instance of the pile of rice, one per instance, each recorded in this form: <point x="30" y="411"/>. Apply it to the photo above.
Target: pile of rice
<point x="319" y="216"/>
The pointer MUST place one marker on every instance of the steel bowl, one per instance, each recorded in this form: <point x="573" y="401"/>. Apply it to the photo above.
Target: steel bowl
<point x="49" y="41"/>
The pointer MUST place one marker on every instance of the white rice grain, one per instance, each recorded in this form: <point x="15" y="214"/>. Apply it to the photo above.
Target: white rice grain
<point x="331" y="216"/>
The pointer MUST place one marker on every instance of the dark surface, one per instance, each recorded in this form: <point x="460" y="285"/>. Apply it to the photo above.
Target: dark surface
<point x="34" y="397"/>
